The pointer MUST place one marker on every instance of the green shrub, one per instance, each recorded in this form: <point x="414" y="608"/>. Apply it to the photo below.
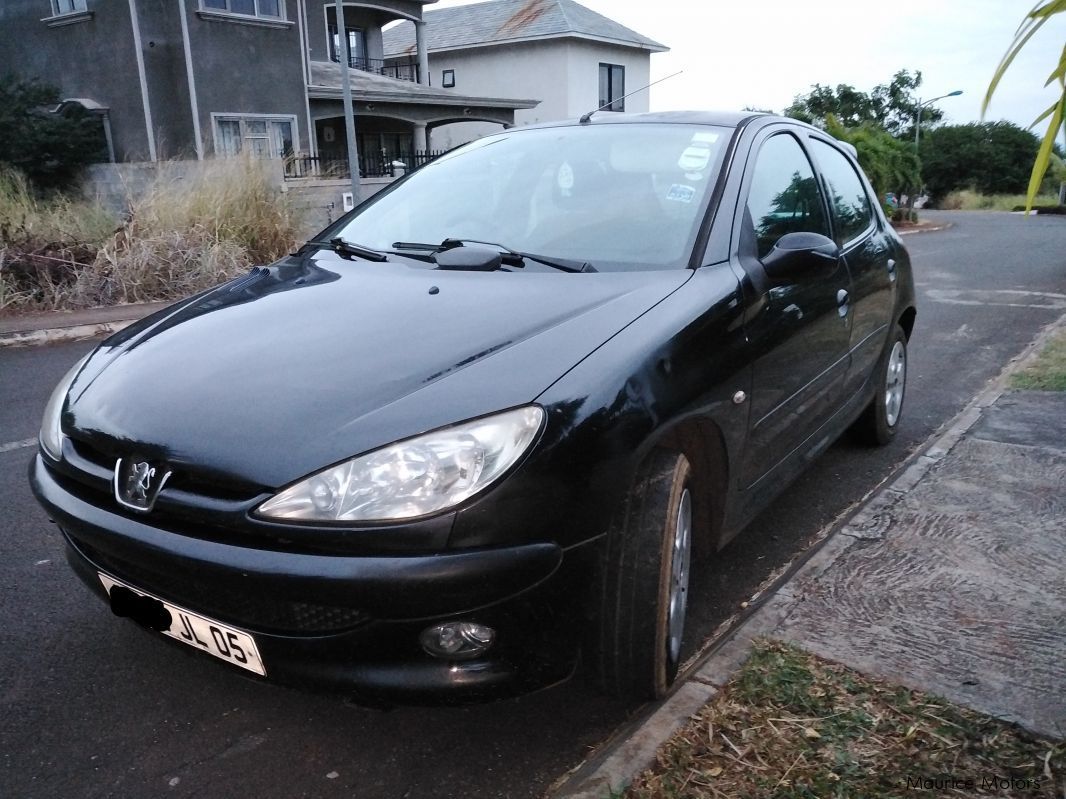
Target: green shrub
<point x="890" y="164"/>
<point x="49" y="148"/>
<point x="990" y="157"/>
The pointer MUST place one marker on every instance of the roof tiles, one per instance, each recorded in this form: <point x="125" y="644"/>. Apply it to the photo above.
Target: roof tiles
<point x="500" y="21"/>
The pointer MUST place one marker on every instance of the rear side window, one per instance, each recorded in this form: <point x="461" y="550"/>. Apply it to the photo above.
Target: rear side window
<point x="847" y="197"/>
<point x="784" y="196"/>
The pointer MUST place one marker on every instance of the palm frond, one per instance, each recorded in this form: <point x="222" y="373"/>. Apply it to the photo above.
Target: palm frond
<point x="1030" y="27"/>
<point x="1043" y="157"/>
<point x="1048" y="9"/>
<point x="1050" y="110"/>
<point x="1032" y="22"/>
<point x="1059" y="73"/>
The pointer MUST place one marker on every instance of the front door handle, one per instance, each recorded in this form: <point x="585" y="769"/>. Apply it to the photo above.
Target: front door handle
<point x="842" y="303"/>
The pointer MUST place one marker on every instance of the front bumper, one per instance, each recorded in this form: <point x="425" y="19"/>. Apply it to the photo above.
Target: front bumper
<point x="347" y="622"/>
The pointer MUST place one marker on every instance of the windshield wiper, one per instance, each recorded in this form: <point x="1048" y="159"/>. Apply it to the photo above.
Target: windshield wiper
<point x="564" y="264"/>
<point x="342" y="247"/>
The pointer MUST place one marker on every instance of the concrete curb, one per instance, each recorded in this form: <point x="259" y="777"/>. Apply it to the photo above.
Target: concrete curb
<point x="54" y="335"/>
<point x="52" y="327"/>
<point x="930" y="229"/>
<point x="621" y="759"/>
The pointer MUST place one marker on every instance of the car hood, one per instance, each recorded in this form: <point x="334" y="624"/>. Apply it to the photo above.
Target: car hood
<point x="309" y="362"/>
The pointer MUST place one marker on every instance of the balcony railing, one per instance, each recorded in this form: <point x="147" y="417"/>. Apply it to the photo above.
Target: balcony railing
<point x="371" y="165"/>
<point x="402" y="70"/>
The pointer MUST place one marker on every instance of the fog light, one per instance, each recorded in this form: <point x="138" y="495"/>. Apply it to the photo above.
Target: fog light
<point x="457" y="640"/>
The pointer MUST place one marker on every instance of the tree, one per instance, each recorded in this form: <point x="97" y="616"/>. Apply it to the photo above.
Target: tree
<point x="847" y="104"/>
<point x="889" y="163"/>
<point x="49" y="148"/>
<point x="991" y="157"/>
<point x="898" y="104"/>
<point x="893" y="105"/>
<point x="1056" y="114"/>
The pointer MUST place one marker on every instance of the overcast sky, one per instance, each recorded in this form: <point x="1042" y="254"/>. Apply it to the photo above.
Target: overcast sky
<point x="761" y="53"/>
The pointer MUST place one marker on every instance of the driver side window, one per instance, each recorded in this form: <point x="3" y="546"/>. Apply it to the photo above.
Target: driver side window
<point x="784" y="196"/>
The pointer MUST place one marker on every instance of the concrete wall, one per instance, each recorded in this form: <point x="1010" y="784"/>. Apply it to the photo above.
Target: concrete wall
<point x="72" y="58"/>
<point x="116" y="184"/>
<point x="583" y="71"/>
<point x="321" y="202"/>
<point x="562" y="73"/>
<point x="168" y="87"/>
<point x="246" y="68"/>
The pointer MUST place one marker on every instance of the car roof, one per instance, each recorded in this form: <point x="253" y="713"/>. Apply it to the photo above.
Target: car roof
<point x="725" y="119"/>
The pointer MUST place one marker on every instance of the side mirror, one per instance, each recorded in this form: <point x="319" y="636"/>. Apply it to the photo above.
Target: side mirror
<point x="796" y="254"/>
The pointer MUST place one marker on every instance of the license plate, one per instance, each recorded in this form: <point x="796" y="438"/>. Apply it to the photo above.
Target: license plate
<point x="183" y="625"/>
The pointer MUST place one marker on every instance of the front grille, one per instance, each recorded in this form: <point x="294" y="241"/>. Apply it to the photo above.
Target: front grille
<point x="100" y="462"/>
<point x="93" y="455"/>
<point x="257" y="612"/>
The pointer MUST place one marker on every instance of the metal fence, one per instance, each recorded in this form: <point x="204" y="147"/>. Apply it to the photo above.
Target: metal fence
<point x="401" y="70"/>
<point x="371" y="165"/>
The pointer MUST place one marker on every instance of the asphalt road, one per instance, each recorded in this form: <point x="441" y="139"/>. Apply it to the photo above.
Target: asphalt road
<point x="91" y="706"/>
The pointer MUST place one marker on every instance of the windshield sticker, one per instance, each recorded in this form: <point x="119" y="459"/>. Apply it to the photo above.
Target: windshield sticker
<point x="680" y="193"/>
<point x="565" y="178"/>
<point x="697" y="155"/>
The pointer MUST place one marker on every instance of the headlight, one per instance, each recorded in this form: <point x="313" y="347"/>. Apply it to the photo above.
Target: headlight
<point x="411" y="478"/>
<point x="51" y="435"/>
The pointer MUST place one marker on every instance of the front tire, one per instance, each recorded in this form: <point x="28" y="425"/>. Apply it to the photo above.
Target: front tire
<point x="645" y="579"/>
<point x="880" y="420"/>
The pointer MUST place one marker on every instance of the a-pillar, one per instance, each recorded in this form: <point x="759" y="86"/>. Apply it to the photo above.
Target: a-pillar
<point x="423" y="52"/>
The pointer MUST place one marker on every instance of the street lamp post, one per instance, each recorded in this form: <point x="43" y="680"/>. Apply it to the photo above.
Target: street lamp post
<point x="918" y="132"/>
<point x="345" y="58"/>
<point x="918" y="116"/>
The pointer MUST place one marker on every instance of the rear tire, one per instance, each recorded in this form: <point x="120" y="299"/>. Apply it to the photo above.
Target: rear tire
<point x="878" y="424"/>
<point x="644" y="581"/>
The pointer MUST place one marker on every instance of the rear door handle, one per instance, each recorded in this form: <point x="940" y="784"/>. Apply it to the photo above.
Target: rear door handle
<point x="891" y="269"/>
<point x="842" y="302"/>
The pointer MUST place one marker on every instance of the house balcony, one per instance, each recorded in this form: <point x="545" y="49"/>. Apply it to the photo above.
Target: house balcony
<point x="372" y="164"/>
<point x="398" y="70"/>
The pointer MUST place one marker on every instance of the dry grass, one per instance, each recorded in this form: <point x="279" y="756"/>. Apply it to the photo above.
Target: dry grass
<point x="43" y="243"/>
<point x="790" y="725"/>
<point x="189" y="230"/>
<point x="970" y="200"/>
<point x="1048" y="371"/>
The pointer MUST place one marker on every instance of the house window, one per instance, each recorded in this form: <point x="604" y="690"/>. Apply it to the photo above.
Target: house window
<point x="68" y="6"/>
<point x="268" y="9"/>
<point x="612" y="87"/>
<point x="356" y="47"/>
<point x="448" y="79"/>
<point x="261" y="136"/>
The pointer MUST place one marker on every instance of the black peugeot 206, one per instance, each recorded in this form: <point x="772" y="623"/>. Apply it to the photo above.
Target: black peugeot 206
<point x="483" y="427"/>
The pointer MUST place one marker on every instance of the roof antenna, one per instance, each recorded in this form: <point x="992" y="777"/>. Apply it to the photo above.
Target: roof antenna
<point x="588" y="117"/>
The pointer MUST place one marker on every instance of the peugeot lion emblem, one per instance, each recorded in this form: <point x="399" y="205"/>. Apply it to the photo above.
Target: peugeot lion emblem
<point x="137" y="484"/>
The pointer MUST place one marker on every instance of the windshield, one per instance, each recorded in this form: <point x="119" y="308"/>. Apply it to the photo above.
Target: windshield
<point x="618" y="196"/>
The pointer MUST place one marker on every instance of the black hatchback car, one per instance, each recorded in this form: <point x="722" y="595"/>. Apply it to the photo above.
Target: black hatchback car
<point x="484" y="424"/>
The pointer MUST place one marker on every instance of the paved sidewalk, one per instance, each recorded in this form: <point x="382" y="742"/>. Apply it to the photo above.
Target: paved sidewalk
<point x="52" y="326"/>
<point x="958" y="586"/>
<point x="951" y="580"/>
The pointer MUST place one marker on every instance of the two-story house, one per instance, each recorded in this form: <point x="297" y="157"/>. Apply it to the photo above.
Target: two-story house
<point x="191" y="78"/>
<point x="569" y="57"/>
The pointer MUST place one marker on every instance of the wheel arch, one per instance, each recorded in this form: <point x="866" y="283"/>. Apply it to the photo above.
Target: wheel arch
<point x="702" y="442"/>
<point x="906" y="321"/>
